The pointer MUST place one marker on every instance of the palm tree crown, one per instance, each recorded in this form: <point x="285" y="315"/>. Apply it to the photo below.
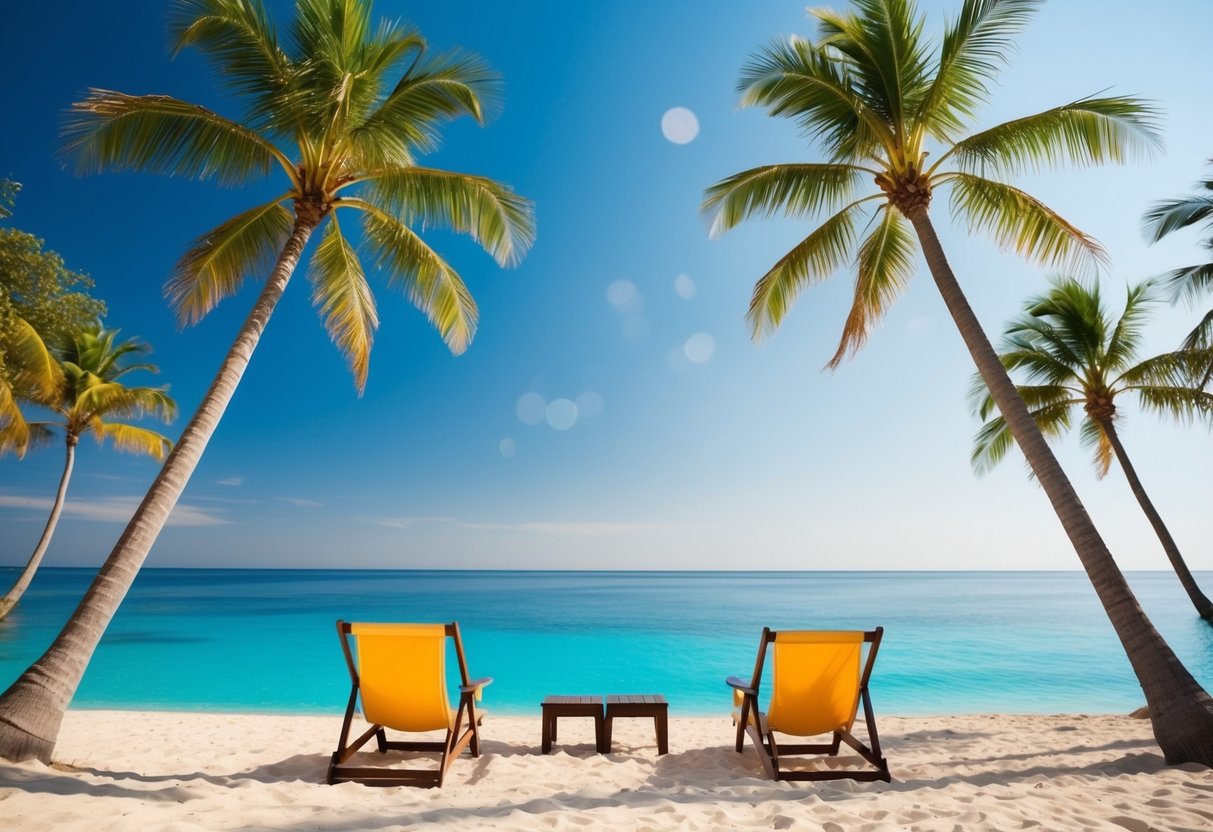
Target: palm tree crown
<point x="879" y="100"/>
<point x="343" y="109"/>
<point x="89" y="397"/>
<point x="1073" y="355"/>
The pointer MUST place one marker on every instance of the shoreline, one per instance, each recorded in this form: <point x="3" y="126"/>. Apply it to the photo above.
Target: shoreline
<point x="119" y="769"/>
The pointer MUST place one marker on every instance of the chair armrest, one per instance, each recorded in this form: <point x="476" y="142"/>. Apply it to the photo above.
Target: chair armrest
<point x="476" y="684"/>
<point x="738" y="684"/>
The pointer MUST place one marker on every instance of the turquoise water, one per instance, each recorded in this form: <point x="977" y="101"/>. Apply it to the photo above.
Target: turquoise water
<point x="265" y="640"/>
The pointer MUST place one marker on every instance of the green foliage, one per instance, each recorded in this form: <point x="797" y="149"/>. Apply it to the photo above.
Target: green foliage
<point x="1189" y="282"/>
<point x="343" y="108"/>
<point x="876" y="96"/>
<point x="1072" y="355"/>
<point x="8" y="196"/>
<point x="37" y="290"/>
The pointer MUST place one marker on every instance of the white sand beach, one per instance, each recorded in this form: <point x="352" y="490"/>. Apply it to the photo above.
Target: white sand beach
<point x="125" y="770"/>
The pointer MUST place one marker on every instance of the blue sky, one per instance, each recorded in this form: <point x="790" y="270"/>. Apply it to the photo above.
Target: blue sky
<point x="747" y="457"/>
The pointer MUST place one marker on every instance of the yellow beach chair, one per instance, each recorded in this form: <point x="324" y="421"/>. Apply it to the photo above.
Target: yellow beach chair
<point x="400" y="675"/>
<point x="817" y="689"/>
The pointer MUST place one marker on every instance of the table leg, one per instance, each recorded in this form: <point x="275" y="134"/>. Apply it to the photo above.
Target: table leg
<point x="602" y="734"/>
<point x="661" y="721"/>
<point x="546" y="746"/>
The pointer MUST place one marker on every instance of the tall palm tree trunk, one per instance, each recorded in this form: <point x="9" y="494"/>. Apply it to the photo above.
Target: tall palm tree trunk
<point x="18" y="589"/>
<point x="32" y="708"/>
<point x="1181" y="712"/>
<point x="1199" y="600"/>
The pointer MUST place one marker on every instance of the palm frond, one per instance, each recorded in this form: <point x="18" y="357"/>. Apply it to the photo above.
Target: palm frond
<point x="1201" y="336"/>
<point x="1073" y="325"/>
<point x="428" y="281"/>
<point x="1190" y="283"/>
<point x="794" y="79"/>
<point x="1173" y="214"/>
<point x="437" y="89"/>
<point x="32" y="370"/>
<point x="796" y="190"/>
<point x="240" y="40"/>
<point x="812" y="260"/>
<point x="1125" y="340"/>
<point x="1021" y="223"/>
<point x="492" y="214"/>
<point x="220" y="260"/>
<point x="885" y="53"/>
<point x="994" y="439"/>
<point x="1090" y="131"/>
<point x="885" y="265"/>
<point x="1093" y="435"/>
<point x="975" y="46"/>
<point x="14" y="430"/>
<point x="160" y="134"/>
<point x="345" y="301"/>
<point x="108" y="399"/>
<point x="134" y="440"/>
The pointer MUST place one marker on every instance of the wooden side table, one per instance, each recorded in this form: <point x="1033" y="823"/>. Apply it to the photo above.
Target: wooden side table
<point x="653" y="705"/>
<point x="555" y="707"/>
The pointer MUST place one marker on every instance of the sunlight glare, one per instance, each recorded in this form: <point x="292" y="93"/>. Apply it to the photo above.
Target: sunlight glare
<point x="679" y="125"/>
<point x="562" y="414"/>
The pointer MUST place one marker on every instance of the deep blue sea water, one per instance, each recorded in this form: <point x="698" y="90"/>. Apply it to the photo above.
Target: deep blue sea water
<point x="264" y="640"/>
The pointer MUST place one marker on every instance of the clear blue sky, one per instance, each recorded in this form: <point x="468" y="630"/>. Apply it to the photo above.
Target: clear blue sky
<point x="752" y="458"/>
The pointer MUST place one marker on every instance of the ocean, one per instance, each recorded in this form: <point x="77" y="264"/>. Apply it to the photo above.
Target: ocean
<point x="265" y="640"/>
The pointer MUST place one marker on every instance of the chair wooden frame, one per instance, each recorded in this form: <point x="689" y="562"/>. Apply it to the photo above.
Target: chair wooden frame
<point x="465" y="732"/>
<point x="753" y="722"/>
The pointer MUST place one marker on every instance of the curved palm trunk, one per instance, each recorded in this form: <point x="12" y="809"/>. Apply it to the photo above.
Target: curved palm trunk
<point x="14" y="595"/>
<point x="1203" y="606"/>
<point x="1181" y="712"/>
<point x="32" y="708"/>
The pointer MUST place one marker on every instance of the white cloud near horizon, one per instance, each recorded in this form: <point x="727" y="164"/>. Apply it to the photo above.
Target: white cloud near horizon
<point x="407" y="522"/>
<point x="570" y="528"/>
<point x="299" y="501"/>
<point x="230" y="481"/>
<point x="113" y="510"/>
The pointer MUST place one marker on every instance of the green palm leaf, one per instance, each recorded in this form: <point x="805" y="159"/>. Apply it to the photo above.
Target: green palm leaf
<point x="112" y="399"/>
<point x="501" y="221"/>
<point x="796" y="190"/>
<point x="437" y="89"/>
<point x="1093" y="435"/>
<point x="795" y="79"/>
<point x="159" y="134"/>
<point x="345" y="301"/>
<point x="239" y="38"/>
<point x="135" y="440"/>
<point x="220" y="260"/>
<point x="1021" y="223"/>
<point x="884" y="267"/>
<point x="885" y="54"/>
<point x="975" y="46"/>
<point x="1089" y="131"/>
<point x="428" y="281"/>
<point x="1173" y="214"/>
<point x="812" y="260"/>
<point x="994" y="440"/>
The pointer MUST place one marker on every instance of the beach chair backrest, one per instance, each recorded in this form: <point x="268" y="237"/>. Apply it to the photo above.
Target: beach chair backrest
<point x="816" y="682"/>
<point x="402" y="675"/>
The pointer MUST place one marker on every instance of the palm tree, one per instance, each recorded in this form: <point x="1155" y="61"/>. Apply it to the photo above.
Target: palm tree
<point x="86" y="397"/>
<point x="1189" y="282"/>
<point x="342" y="110"/>
<point x="29" y="372"/>
<point x="876" y="97"/>
<point x="1074" y="355"/>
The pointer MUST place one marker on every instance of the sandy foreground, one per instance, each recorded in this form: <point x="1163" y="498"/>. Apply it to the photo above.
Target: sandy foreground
<point x="126" y="770"/>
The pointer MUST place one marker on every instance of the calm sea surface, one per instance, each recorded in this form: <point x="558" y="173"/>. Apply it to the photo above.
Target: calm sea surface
<point x="265" y="640"/>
